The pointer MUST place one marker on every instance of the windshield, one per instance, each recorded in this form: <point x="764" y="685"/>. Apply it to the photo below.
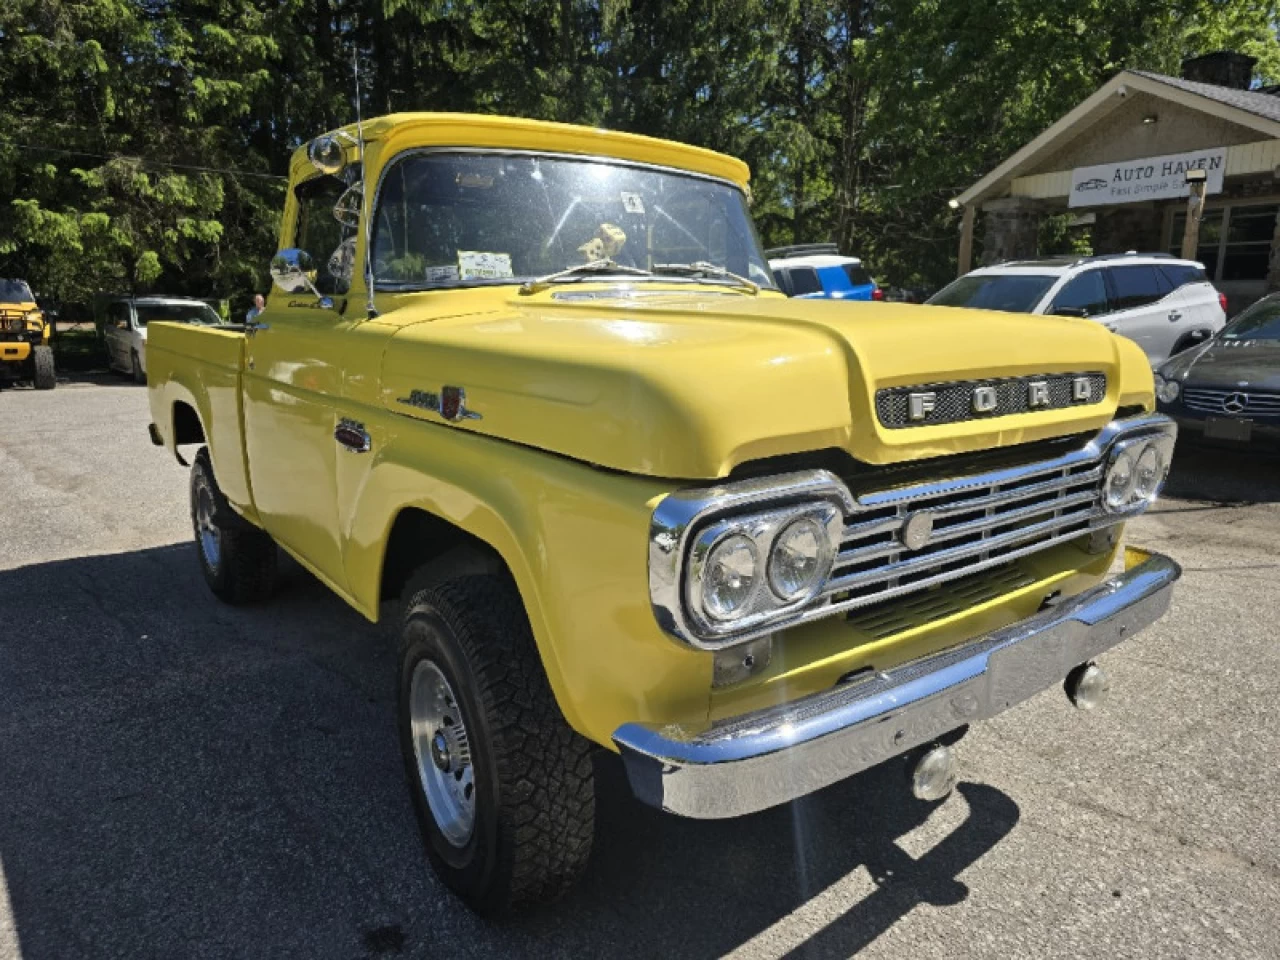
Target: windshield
<point x="446" y="220"/>
<point x="1011" y="292"/>
<point x="175" y="313"/>
<point x="15" y="291"/>
<point x="1259" y="322"/>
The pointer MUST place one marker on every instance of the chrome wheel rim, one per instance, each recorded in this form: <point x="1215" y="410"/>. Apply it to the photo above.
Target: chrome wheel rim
<point x="443" y="752"/>
<point x="210" y="536"/>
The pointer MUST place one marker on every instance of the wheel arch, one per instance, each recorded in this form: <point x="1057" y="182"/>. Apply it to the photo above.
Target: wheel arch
<point x="457" y="527"/>
<point x="186" y="425"/>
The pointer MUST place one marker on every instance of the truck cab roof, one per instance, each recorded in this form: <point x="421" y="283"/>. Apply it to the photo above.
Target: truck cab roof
<point x="399" y="131"/>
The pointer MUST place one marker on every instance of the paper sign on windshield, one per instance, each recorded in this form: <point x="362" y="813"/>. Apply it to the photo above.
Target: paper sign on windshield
<point x="482" y="265"/>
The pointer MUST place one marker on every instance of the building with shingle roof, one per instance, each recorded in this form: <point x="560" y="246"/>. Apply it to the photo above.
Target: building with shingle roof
<point x="1118" y="163"/>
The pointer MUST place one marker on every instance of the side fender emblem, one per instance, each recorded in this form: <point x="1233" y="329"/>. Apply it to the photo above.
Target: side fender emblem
<point x="450" y="403"/>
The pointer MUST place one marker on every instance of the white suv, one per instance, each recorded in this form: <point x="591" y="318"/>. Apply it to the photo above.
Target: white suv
<point x="1165" y="304"/>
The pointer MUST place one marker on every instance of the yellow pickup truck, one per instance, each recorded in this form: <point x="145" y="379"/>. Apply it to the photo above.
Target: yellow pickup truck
<point x="532" y="387"/>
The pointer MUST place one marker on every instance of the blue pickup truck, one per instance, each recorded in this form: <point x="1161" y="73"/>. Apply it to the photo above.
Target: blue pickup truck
<point x="817" y="271"/>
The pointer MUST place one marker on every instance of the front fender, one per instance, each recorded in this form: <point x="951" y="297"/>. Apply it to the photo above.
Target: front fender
<point x="575" y="541"/>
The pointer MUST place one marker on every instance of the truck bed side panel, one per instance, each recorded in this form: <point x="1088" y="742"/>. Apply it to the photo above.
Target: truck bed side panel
<point x="202" y="367"/>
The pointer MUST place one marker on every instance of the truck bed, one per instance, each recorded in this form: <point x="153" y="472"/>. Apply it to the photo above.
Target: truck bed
<point x="195" y="371"/>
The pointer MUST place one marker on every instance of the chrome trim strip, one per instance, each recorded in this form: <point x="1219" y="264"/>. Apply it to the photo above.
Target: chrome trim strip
<point x="933" y="491"/>
<point x="762" y="759"/>
<point x="681" y="515"/>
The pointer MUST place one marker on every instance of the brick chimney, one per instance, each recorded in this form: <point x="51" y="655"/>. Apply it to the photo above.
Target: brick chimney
<point x="1223" y="68"/>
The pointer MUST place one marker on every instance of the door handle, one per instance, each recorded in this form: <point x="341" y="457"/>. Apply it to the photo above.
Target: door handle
<point x="352" y="436"/>
<point x="1174" y="316"/>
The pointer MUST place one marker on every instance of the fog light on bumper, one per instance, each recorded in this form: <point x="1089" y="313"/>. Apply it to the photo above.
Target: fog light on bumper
<point x="935" y="774"/>
<point x="1087" y="685"/>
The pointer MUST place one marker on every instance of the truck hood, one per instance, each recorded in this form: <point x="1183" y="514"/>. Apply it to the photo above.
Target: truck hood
<point x="690" y="385"/>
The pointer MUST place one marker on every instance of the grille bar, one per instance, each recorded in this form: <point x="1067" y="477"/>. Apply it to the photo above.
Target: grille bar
<point x="975" y="523"/>
<point x="893" y="589"/>
<point x="982" y="525"/>
<point x="981" y="501"/>
<point x="1039" y="532"/>
<point x="1207" y="400"/>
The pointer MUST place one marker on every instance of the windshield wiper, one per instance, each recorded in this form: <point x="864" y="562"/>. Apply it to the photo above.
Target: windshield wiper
<point x="700" y="268"/>
<point x="570" y="273"/>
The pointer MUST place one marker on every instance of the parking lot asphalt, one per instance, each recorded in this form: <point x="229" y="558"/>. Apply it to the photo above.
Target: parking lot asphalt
<point x="179" y="778"/>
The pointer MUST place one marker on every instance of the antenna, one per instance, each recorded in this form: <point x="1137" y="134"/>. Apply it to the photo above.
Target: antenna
<point x="368" y="218"/>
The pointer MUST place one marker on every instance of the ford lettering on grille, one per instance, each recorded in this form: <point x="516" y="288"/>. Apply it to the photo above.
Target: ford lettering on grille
<point x="931" y="404"/>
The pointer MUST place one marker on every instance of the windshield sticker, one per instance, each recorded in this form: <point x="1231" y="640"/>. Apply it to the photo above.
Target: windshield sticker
<point x="447" y="273"/>
<point x="632" y="203"/>
<point x="482" y="265"/>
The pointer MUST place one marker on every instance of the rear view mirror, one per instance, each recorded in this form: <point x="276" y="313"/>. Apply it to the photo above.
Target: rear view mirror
<point x="1070" y="312"/>
<point x="292" y="270"/>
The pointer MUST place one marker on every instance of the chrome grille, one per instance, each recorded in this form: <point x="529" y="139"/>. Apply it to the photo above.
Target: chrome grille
<point x="1209" y="400"/>
<point x="895" y="540"/>
<point x="978" y="523"/>
<point x="953" y="402"/>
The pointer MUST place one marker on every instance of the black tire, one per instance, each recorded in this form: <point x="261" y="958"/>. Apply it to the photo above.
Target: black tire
<point x="43" y="374"/>
<point x="238" y="560"/>
<point x="534" y="793"/>
<point x="136" y="363"/>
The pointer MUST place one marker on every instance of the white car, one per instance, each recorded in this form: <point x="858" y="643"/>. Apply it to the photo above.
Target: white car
<point x="1163" y="303"/>
<point x="125" y="329"/>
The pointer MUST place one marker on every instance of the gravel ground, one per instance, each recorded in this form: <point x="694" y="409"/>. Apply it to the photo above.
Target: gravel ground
<point x="179" y="778"/>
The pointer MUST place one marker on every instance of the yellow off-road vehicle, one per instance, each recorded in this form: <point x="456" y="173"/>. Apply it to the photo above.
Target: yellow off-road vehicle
<point x="25" y="353"/>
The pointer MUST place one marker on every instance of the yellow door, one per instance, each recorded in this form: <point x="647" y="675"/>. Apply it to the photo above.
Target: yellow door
<point x="292" y="388"/>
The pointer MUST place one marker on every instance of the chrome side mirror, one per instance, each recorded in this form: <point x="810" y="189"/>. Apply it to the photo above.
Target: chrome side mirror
<point x="292" y="270"/>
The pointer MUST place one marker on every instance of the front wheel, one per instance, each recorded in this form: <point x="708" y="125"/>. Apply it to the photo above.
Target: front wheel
<point x="238" y="560"/>
<point x="43" y="374"/>
<point x="502" y="787"/>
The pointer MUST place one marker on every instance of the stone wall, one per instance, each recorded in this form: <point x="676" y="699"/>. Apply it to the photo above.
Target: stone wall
<point x="1011" y="228"/>
<point x="1128" y="227"/>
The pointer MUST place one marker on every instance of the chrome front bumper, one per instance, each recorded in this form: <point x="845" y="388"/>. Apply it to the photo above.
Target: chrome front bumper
<point x="761" y="759"/>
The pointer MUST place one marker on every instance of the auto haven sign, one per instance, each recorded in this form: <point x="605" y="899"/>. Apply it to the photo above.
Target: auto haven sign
<point x="1153" y="178"/>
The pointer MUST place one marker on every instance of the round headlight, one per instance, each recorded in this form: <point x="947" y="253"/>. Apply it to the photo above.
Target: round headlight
<point x="1167" y="390"/>
<point x="729" y="577"/>
<point x="1148" y="474"/>
<point x="1119" y="481"/>
<point x="798" y="560"/>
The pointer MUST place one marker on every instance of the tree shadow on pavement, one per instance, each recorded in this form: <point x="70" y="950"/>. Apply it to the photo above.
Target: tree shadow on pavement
<point x="1223" y="475"/>
<point x="181" y="778"/>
